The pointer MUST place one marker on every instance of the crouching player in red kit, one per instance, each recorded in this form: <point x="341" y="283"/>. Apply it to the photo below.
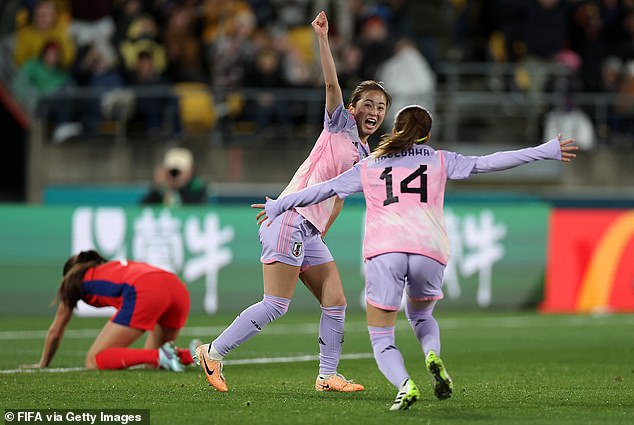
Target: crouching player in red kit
<point x="146" y="298"/>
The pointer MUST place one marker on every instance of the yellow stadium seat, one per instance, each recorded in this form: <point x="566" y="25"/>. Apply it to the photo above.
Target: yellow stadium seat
<point x="302" y="39"/>
<point x="196" y="104"/>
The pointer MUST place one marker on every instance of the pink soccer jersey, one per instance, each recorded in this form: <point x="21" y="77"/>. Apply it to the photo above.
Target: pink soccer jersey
<point x="404" y="197"/>
<point x="337" y="149"/>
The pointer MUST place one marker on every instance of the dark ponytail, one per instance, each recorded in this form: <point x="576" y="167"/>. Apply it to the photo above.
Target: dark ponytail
<point x="412" y="125"/>
<point x="74" y="269"/>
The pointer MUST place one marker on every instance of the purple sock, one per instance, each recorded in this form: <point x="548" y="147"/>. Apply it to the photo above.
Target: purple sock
<point x="250" y="322"/>
<point x="388" y="358"/>
<point x="425" y="327"/>
<point x="330" y="338"/>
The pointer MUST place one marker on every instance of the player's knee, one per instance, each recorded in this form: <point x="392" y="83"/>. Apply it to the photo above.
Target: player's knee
<point x="334" y="300"/>
<point x="341" y="302"/>
<point x="276" y="307"/>
<point x="91" y="361"/>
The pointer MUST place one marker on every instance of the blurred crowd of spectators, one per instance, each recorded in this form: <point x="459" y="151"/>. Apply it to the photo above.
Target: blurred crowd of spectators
<point x="187" y="45"/>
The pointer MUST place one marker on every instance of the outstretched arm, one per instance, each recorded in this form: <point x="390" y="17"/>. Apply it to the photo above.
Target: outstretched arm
<point x="562" y="150"/>
<point x="309" y="196"/>
<point x="343" y="186"/>
<point x="334" y="96"/>
<point x="53" y="336"/>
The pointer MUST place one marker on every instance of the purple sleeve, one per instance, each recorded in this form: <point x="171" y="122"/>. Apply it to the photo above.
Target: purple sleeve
<point x="348" y="183"/>
<point x="338" y="121"/>
<point x="461" y="167"/>
<point x="343" y="185"/>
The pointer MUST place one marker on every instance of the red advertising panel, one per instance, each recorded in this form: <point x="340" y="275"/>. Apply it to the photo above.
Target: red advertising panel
<point x="590" y="264"/>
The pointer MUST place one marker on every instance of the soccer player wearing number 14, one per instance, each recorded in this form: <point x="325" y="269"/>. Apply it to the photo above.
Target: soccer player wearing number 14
<point x="406" y="246"/>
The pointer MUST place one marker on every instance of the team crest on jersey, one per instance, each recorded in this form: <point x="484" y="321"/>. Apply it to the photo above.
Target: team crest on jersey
<point x="297" y="249"/>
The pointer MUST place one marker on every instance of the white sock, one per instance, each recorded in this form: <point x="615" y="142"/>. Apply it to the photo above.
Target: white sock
<point x="213" y="353"/>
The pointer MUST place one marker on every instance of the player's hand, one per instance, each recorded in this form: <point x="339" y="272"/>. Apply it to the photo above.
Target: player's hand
<point x="320" y="24"/>
<point x="31" y="366"/>
<point x="567" y="149"/>
<point x="261" y="217"/>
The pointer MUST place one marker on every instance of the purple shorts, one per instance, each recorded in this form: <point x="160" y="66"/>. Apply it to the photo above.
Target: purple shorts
<point x="387" y="274"/>
<point x="293" y="240"/>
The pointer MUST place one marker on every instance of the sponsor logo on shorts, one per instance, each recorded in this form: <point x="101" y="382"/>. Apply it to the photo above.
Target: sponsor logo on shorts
<point x="297" y="249"/>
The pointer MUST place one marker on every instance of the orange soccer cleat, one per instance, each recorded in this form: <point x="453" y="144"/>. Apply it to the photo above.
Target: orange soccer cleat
<point x="336" y="382"/>
<point x="212" y="368"/>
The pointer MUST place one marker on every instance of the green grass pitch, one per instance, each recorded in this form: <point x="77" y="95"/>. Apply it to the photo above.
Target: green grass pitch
<point x="507" y="367"/>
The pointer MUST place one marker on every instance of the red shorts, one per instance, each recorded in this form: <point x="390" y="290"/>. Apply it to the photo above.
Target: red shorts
<point x="161" y="298"/>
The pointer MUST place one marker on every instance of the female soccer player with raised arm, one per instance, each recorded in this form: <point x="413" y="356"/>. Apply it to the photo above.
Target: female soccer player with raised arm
<point x="405" y="244"/>
<point x="147" y="299"/>
<point x="292" y="247"/>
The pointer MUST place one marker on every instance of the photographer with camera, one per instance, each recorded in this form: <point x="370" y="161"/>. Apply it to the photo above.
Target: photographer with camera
<point x="175" y="182"/>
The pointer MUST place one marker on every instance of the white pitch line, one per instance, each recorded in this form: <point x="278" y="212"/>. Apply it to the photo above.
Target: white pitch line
<point x="45" y="370"/>
<point x="238" y="362"/>
<point x="356" y="326"/>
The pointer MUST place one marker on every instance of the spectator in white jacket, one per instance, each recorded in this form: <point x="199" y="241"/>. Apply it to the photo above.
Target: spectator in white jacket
<point x="408" y="77"/>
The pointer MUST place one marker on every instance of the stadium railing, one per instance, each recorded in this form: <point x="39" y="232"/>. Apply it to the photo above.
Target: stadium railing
<point x="473" y="102"/>
<point x="472" y="114"/>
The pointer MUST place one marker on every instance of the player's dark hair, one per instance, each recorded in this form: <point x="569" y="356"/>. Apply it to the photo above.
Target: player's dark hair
<point x="366" y="86"/>
<point x="73" y="272"/>
<point x="412" y="125"/>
